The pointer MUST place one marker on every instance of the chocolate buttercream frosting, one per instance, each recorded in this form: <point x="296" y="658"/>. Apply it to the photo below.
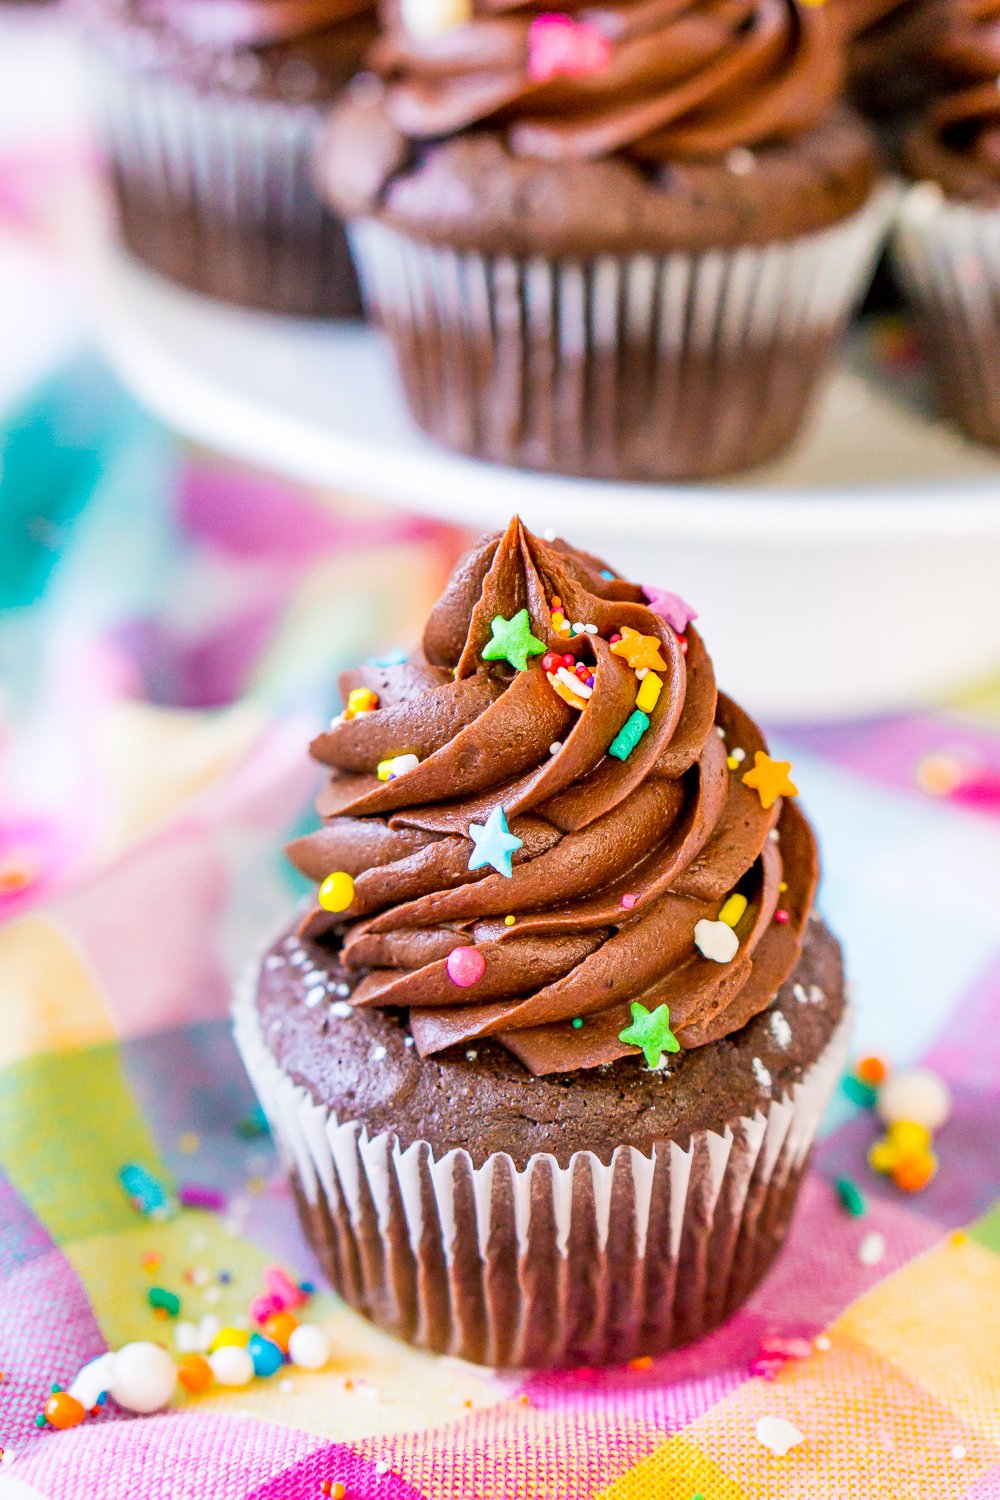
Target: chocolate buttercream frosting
<point x="657" y="80"/>
<point x="957" y="141"/>
<point x="547" y="814"/>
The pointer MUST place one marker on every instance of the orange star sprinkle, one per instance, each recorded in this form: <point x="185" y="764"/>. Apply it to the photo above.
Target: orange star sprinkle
<point x="770" y="779"/>
<point x="639" y="650"/>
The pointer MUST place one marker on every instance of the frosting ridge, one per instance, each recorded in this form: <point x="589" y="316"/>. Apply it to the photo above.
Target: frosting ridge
<point x="626" y="851"/>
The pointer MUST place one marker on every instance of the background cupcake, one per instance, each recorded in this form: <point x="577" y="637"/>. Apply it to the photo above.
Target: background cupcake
<point x="209" y="112"/>
<point x="948" y="238"/>
<point x="616" y="241"/>
<point x="887" y="44"/>
<point x="547" y="1060"/>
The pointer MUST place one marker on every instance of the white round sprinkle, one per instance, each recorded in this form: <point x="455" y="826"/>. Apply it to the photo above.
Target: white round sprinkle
<point x="342" y="989"/>
<point x="315" y="997"/>
<point x="761" y="1073"/>
<point x="377" y="1054"/>
<point x="407" y="1041"/>
<point x="555" y="747"/>
<point x="308" y="1347"/>
<point x="471" y="1055"/>
<point x="642" y="673"/>
<point x="778" y="1435"/>
<point x="578" y="627"/>
<point x="740" y="161"/>
<point x="212" y="1295"/>
<point x="919" y="1096"/>
<point x="590" y="629"/>
<point x="381" y="1470"/>
<point x="341" y="1010"/>
<point x="738" y="754"/>
<point x="232" y="1365"/>
<point x="959" y="1452"/>
<point x="548" y="535"/>
<point x="780" y="1029"/>
<point x="774" y="836"/>
<point x="871" y="1251"/>
<point x="822" y="1343"/>
<point x="816" y="994"/>
<point x="144" y="1378"/>
<point x="716" y="940"/>
<point x="273" y="961"/>
<point x="720" y="731"/>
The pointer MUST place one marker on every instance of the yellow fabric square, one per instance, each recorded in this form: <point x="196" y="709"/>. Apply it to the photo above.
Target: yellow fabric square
<point x="867" y="1430"/>
<point x="68" y="1124"/>
<point x="938" y="1320"/>
<point x="677" y="1471"/>
<point x="50" y="1002"/>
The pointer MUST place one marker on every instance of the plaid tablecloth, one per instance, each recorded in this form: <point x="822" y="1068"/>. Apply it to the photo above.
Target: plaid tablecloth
<point x="170" y="635"/>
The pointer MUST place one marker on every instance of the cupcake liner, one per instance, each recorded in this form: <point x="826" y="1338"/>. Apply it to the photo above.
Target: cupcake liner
<point x="948" y="257"/>
<point x="591" y="1263"/>
<point x="630" y="366"/>
<point x="215" y="190"/>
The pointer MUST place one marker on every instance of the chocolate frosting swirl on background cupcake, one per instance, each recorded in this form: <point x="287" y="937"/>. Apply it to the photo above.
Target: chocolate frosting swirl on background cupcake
<point x="957" y="141"/>
<point x="548" y="814"/>
<point x="657" y="79"/>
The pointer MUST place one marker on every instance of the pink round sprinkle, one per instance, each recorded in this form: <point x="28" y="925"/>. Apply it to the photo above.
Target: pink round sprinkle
<point x="465" y="966"/>
<point x="781" y="915"/>
<point x="629" y="900"/>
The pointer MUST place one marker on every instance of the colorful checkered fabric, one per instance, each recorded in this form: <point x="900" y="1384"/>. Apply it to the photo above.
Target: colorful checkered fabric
<point x="139" y="871"/>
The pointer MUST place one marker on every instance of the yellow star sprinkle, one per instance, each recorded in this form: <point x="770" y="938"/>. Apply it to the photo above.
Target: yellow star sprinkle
<point x="770" y="779"/>
<point x="639" y="650"/>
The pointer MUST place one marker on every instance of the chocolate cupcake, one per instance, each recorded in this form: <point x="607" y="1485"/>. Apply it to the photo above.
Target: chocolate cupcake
<point x="618" y="241"/>
<point x="209" y="112"/>
<point x="547" y="1059"/>
<point x="947" y="244"/>
<point x="887" y="47"/>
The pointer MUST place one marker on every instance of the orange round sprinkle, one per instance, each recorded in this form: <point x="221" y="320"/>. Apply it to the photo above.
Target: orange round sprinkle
<point x="333" y="1488"/>
<point x="641" y="1362"/>
<point x="63" y="1410"/>
<point x="280" y="1328"/>
<point x="958" y="1237"/>
<point x="871" y="1070"/>
<point x="914" y="1172"/>
<point x="467" y="1403"/>
<point x="194" y="1373"/>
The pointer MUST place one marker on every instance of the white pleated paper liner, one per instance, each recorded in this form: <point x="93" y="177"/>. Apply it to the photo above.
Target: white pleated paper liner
<point x="622" y="366"/>
<point x="948" y="257"/>
<point x="215" y="189"/>
<point x="584" y="1264"/>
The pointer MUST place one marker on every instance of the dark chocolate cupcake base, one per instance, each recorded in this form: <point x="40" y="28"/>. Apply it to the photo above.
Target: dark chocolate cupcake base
<point x="529" y="1222"/>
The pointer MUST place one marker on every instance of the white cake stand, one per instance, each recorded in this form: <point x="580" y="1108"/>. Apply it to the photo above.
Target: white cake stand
<point x="859" y="574"/>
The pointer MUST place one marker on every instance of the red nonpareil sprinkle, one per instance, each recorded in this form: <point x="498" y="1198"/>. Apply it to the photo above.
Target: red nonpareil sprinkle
<point x="613" y="639"/>
<point x="781" y="915"/>
<point x="551" y="662"/>
<point x="569" y="661"/>
<point x="682" y="641"/>
<point x="582" y="671"/>
<point x="629" y="900"/>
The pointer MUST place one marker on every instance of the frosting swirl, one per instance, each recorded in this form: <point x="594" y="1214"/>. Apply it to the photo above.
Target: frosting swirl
<point x="659" y="80"/>
<point x="640" y="865"/>
<point x="229" y="25"/>
<point x="966" y="115"/>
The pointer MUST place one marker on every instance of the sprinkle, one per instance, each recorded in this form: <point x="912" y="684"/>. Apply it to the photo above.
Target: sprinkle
<point x="575" y="695"/>
<point x="715" y="940"/>
<point x="148" y="1195"/>
<point x="193" y="1196"/>
<point x="871" y="1070"/>
<point x="639" y="650"/>
<point x="914" y="1173"/>
<point x="315" y="996"/>
<point x="494" y="844"/>
<point x="857" y="1091"/>
<point x="650" y="1032"/>
<point x="394" y="658"/>
<point x="671" y="607"/>
<point x="591" y="628"/>
<point x="570" y="680"/>
<point x="555" y="747"/>
<point x="733" y="909"/>
<point x="512" y="640"/>
<point x="577" y="1023"/>
<point x="774" y="835"/>
<point x="607" y="574"/>
<point x="253" y="1125"/>
<point x="770" y="779"/>
<point x="641" y="1362"/>
<point x="381" y="1469"/>
<point x="732" y="762"/>
<point x="781" y="916"/>
<point x="378" y="1053"/>
<point x="336" y="893"/>
<point x="778" y="1435"/>
<point x="471" y="1055"/>
<point x="465" y="966"/>
<point x="396" y="765"/>
<point x="561" y="47"/>
<point x="341" y="1010"/>
<point x="780" y="1029"/>
<point x="822" y="1342"/>
<point x="642" y="673"/>
<point x="509" y="921"/>
<point x="629" y="900"/>
<point x="761" y="1073"/>
<point x="917" y="1095"/>
<point x="577" y="627"/>
<point x="168" y="1302"/>
<point x="850" y="1196"/>
<point x="331" y="1487"/>
<point x="871" y="1251"/>
<point x="740" y="161"/>
<point x="738" y="755"/>
<point x="629" y="735"/>
<point x="649" y="692"/>
<point x="360" y="700"/>
<point x="959" y="1452"/>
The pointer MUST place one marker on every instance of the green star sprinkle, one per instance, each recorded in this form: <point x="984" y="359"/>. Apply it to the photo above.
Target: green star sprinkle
<point x="650" y="1031"/>
<point x="513" y="641"/>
